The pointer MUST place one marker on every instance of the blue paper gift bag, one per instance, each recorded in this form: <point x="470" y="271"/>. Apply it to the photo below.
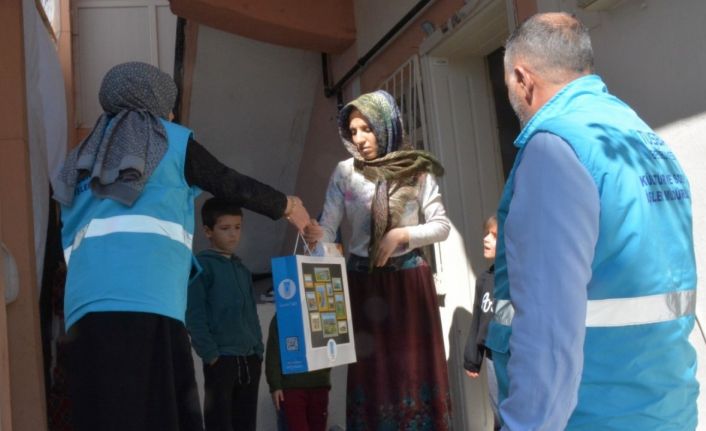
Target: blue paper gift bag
<point x="313" y="312"/>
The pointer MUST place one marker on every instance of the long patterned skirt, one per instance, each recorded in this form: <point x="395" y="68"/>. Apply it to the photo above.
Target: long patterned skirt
<point x="400" y="380"/>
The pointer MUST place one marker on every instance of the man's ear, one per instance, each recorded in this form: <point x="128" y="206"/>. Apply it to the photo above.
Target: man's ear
<point x="525" y="82"/>
<point x="208" y="231"/>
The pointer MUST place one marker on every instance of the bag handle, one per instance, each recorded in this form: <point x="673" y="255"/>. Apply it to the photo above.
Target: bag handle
<point x="306" y="246"/>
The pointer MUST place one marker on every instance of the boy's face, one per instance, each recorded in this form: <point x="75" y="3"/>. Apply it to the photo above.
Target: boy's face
<point x="489" y="240"/>
<point x="225" y="234"/>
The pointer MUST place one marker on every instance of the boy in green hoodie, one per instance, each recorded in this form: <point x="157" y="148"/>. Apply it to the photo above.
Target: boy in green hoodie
<point x="222" y="319"/>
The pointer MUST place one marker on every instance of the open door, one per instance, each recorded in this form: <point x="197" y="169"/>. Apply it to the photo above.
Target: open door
<point x="471" y="130"/>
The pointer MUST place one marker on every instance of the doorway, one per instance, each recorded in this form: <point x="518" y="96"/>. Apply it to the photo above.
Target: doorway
<point x="508" y="125"/>
<point x="472" y="128"/>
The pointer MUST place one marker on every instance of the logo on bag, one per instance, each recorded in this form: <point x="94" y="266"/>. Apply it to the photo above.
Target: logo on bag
<point x="287" y="288"/>
<point x="292" y="344"/>
<point x="331" y="350"/>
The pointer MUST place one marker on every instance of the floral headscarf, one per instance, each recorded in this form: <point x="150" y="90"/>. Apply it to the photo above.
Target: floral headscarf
<point x="384" y="118"/>
<point x="397" y="167"/>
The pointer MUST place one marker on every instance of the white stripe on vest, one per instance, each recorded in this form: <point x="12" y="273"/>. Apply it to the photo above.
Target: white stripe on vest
<point x="640" y="310"/>
<point x="130" y="224"/>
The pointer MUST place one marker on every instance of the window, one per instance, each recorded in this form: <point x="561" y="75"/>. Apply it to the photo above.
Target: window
<point x="405" y="85"/>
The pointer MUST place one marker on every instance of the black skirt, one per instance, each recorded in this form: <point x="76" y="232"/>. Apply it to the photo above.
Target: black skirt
<point x="131" y="371"/>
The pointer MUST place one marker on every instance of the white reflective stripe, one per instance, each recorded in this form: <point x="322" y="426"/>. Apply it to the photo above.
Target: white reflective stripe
<point x="130" y="224"/>
<point x="622" y="311"/>
<point x="641" y="310"/>
<point x="504" y="312"/>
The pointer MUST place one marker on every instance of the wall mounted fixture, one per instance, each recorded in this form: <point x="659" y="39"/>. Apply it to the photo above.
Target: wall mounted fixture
<point x="10" y="274"/>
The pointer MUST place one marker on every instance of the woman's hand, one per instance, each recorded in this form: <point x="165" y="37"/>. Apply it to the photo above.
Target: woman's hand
<point x="295" y="212"/>
<point x="277" y="398"/>
<point x="393" y="239"/>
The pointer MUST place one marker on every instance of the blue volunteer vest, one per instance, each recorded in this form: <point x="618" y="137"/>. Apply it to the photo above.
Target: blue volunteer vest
<point x="639" y="367"/>
<point x="132" y="258"/>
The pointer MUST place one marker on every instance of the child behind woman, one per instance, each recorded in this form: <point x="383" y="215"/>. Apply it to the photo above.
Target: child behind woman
<point x="302" y="397"/>
<point x="476" y="354"/>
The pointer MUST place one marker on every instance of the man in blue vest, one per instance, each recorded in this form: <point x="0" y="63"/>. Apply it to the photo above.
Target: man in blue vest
<point x="595" y="272"/>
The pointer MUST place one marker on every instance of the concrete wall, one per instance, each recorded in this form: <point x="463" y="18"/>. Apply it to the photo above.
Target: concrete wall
<point x="373" y="20"/>
<point x="250" y="107"/>
<point x="316" y="25"/>
<point x="22" y="403"/>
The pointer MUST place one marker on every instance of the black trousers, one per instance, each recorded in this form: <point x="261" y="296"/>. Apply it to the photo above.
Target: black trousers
<point x="131" y="371"/>
<point x="231" y="389"/>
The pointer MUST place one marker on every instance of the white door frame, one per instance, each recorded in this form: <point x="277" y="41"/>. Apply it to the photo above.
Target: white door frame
<point x="463" y="135"/>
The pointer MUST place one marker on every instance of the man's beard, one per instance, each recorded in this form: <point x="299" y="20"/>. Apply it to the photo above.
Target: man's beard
<point x="519" y="108"/>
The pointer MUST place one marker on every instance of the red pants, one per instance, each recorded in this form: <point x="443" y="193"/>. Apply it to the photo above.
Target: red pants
<point x="306" y="409"/>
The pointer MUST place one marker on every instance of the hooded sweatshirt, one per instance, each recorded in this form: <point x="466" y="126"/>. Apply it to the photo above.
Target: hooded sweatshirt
<point x="221" y="315"/>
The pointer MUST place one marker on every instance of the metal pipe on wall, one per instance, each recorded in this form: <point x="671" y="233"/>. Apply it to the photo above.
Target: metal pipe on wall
<point x="337" y="88"/>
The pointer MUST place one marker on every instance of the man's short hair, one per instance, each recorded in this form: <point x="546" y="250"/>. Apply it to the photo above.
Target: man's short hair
<point x="215" y="207"/>
<point x="557" y="45"/>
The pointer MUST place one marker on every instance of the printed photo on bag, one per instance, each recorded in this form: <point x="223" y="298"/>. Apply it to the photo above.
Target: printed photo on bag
<point x="322" y="274"/>
<point x="330" y="326"/>
<point x="340" y="307"/>
<point x="337" y="284"/>
<point x="311" y="301"/>
<point x="321" y="298"/>
<point x="315" y="322"/>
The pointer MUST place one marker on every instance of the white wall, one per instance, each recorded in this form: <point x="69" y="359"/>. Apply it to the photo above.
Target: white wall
<point x="109" y="33"/>
<point x="250" y="107"/>
<point x="651" y="54"/>
<point x="46" y="120"/>
<point x="373" y="20"/>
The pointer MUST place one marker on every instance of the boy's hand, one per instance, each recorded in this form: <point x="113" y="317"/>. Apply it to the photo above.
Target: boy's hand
<point x="295" y="212"/>
<point x="277" y="398"/>
<point x="393" y="239"/>
<point x="471" y="374"/>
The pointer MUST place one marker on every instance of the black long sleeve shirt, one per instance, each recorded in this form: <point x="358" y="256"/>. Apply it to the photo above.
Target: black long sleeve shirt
<point x="203" y="170"/>
<point x="483" y="310"/>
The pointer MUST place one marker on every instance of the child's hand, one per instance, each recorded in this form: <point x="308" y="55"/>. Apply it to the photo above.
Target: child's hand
<point x="277" y="398"/>
<point x="472" y="374"/>
<point x="393" y="239"/>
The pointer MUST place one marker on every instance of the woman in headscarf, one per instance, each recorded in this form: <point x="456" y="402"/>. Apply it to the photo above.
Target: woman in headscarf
<point x="389" y="193"/>
<point x="127" y="199"/>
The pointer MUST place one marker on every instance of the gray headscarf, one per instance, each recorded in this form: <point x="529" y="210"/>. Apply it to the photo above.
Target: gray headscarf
<point x="128" y="141"/>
